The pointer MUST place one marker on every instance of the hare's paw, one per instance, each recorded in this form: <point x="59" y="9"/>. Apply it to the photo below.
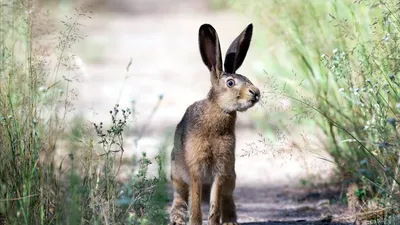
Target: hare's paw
<point x="178" y="217"/>
<point x="175" y="220"/>
<point x="177" y="223"/>
<point x="230" y="223"/>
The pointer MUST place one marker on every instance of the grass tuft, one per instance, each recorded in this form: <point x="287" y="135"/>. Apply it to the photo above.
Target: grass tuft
<point x="37" y="186"/>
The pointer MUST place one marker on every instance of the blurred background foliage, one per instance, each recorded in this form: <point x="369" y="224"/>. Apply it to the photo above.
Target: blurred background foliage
<point x="337" y="62"/>
<point x="38" y="185"/>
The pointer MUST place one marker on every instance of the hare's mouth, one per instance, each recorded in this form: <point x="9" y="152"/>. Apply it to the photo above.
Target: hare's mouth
<point x="246" y="105"/>
<point x="254" y="101"/>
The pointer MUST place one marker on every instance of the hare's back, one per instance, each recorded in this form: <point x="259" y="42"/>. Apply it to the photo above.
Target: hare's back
<point x="190" y="122"/>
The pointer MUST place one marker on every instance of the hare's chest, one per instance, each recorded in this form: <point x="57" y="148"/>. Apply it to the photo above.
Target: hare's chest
<point x="210" y="155"/>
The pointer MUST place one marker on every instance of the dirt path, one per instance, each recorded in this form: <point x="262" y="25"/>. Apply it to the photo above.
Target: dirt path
<point x="166" y="61"/>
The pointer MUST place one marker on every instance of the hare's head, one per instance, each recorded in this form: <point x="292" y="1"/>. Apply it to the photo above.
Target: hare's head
<point x="230" y="91"/>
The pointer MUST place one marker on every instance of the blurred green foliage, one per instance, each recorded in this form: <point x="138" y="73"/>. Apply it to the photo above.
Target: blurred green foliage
<point x="337" y="63"/>
<point x="36" y="186"/>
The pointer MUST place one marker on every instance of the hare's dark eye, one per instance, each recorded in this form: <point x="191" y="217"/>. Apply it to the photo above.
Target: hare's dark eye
<point x="230" y="83"/>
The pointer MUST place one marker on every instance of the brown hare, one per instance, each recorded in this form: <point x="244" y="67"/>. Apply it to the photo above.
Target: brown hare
<point x="204" y="145"/>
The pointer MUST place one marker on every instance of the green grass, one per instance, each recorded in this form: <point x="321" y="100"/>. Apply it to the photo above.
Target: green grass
<point x="36" y="107"/>
<point x="338" y="66"/>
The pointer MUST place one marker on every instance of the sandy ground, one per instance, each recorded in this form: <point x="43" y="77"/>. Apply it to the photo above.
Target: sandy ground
<point x="165" y="61"/>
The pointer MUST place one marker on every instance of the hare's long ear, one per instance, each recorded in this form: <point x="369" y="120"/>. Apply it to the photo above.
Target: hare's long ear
<point x="210" y="49"/>
<point x="237" y="51"/>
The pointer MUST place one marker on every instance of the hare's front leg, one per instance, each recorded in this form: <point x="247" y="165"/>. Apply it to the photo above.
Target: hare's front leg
<point x="228" y="208"/>
<point x="215" y="202"/>
<point x="179" y="204"/>
<point x="221" y="204"/>
<point x="195" y="199"/>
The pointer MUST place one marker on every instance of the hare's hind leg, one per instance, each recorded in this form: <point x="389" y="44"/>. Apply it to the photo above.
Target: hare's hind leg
<point x="180" y="202"/>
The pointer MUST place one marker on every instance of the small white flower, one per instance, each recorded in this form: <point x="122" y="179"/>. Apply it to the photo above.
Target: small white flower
<point x="341" y="90"/>
<point x="30" y="11"/>
<point x="373" y="120"/>
<point x="355" y="91"/>
<point x="335" y="51"/>
<point x="42" y="88"/>
<point x="386" y="38"/>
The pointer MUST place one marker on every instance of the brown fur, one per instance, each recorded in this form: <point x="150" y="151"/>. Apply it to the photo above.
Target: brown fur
<point x="204" y="148"/>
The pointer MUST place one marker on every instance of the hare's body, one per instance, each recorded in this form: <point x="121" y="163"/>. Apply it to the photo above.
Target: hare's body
<point x="204" y="144"/>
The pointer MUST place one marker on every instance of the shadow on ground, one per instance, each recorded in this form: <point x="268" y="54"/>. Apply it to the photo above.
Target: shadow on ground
<point x="268" y="205"/>
<point x="295" y="223"/>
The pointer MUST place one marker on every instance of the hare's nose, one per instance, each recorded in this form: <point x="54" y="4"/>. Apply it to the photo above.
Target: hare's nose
<point x="256" y="94"/>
